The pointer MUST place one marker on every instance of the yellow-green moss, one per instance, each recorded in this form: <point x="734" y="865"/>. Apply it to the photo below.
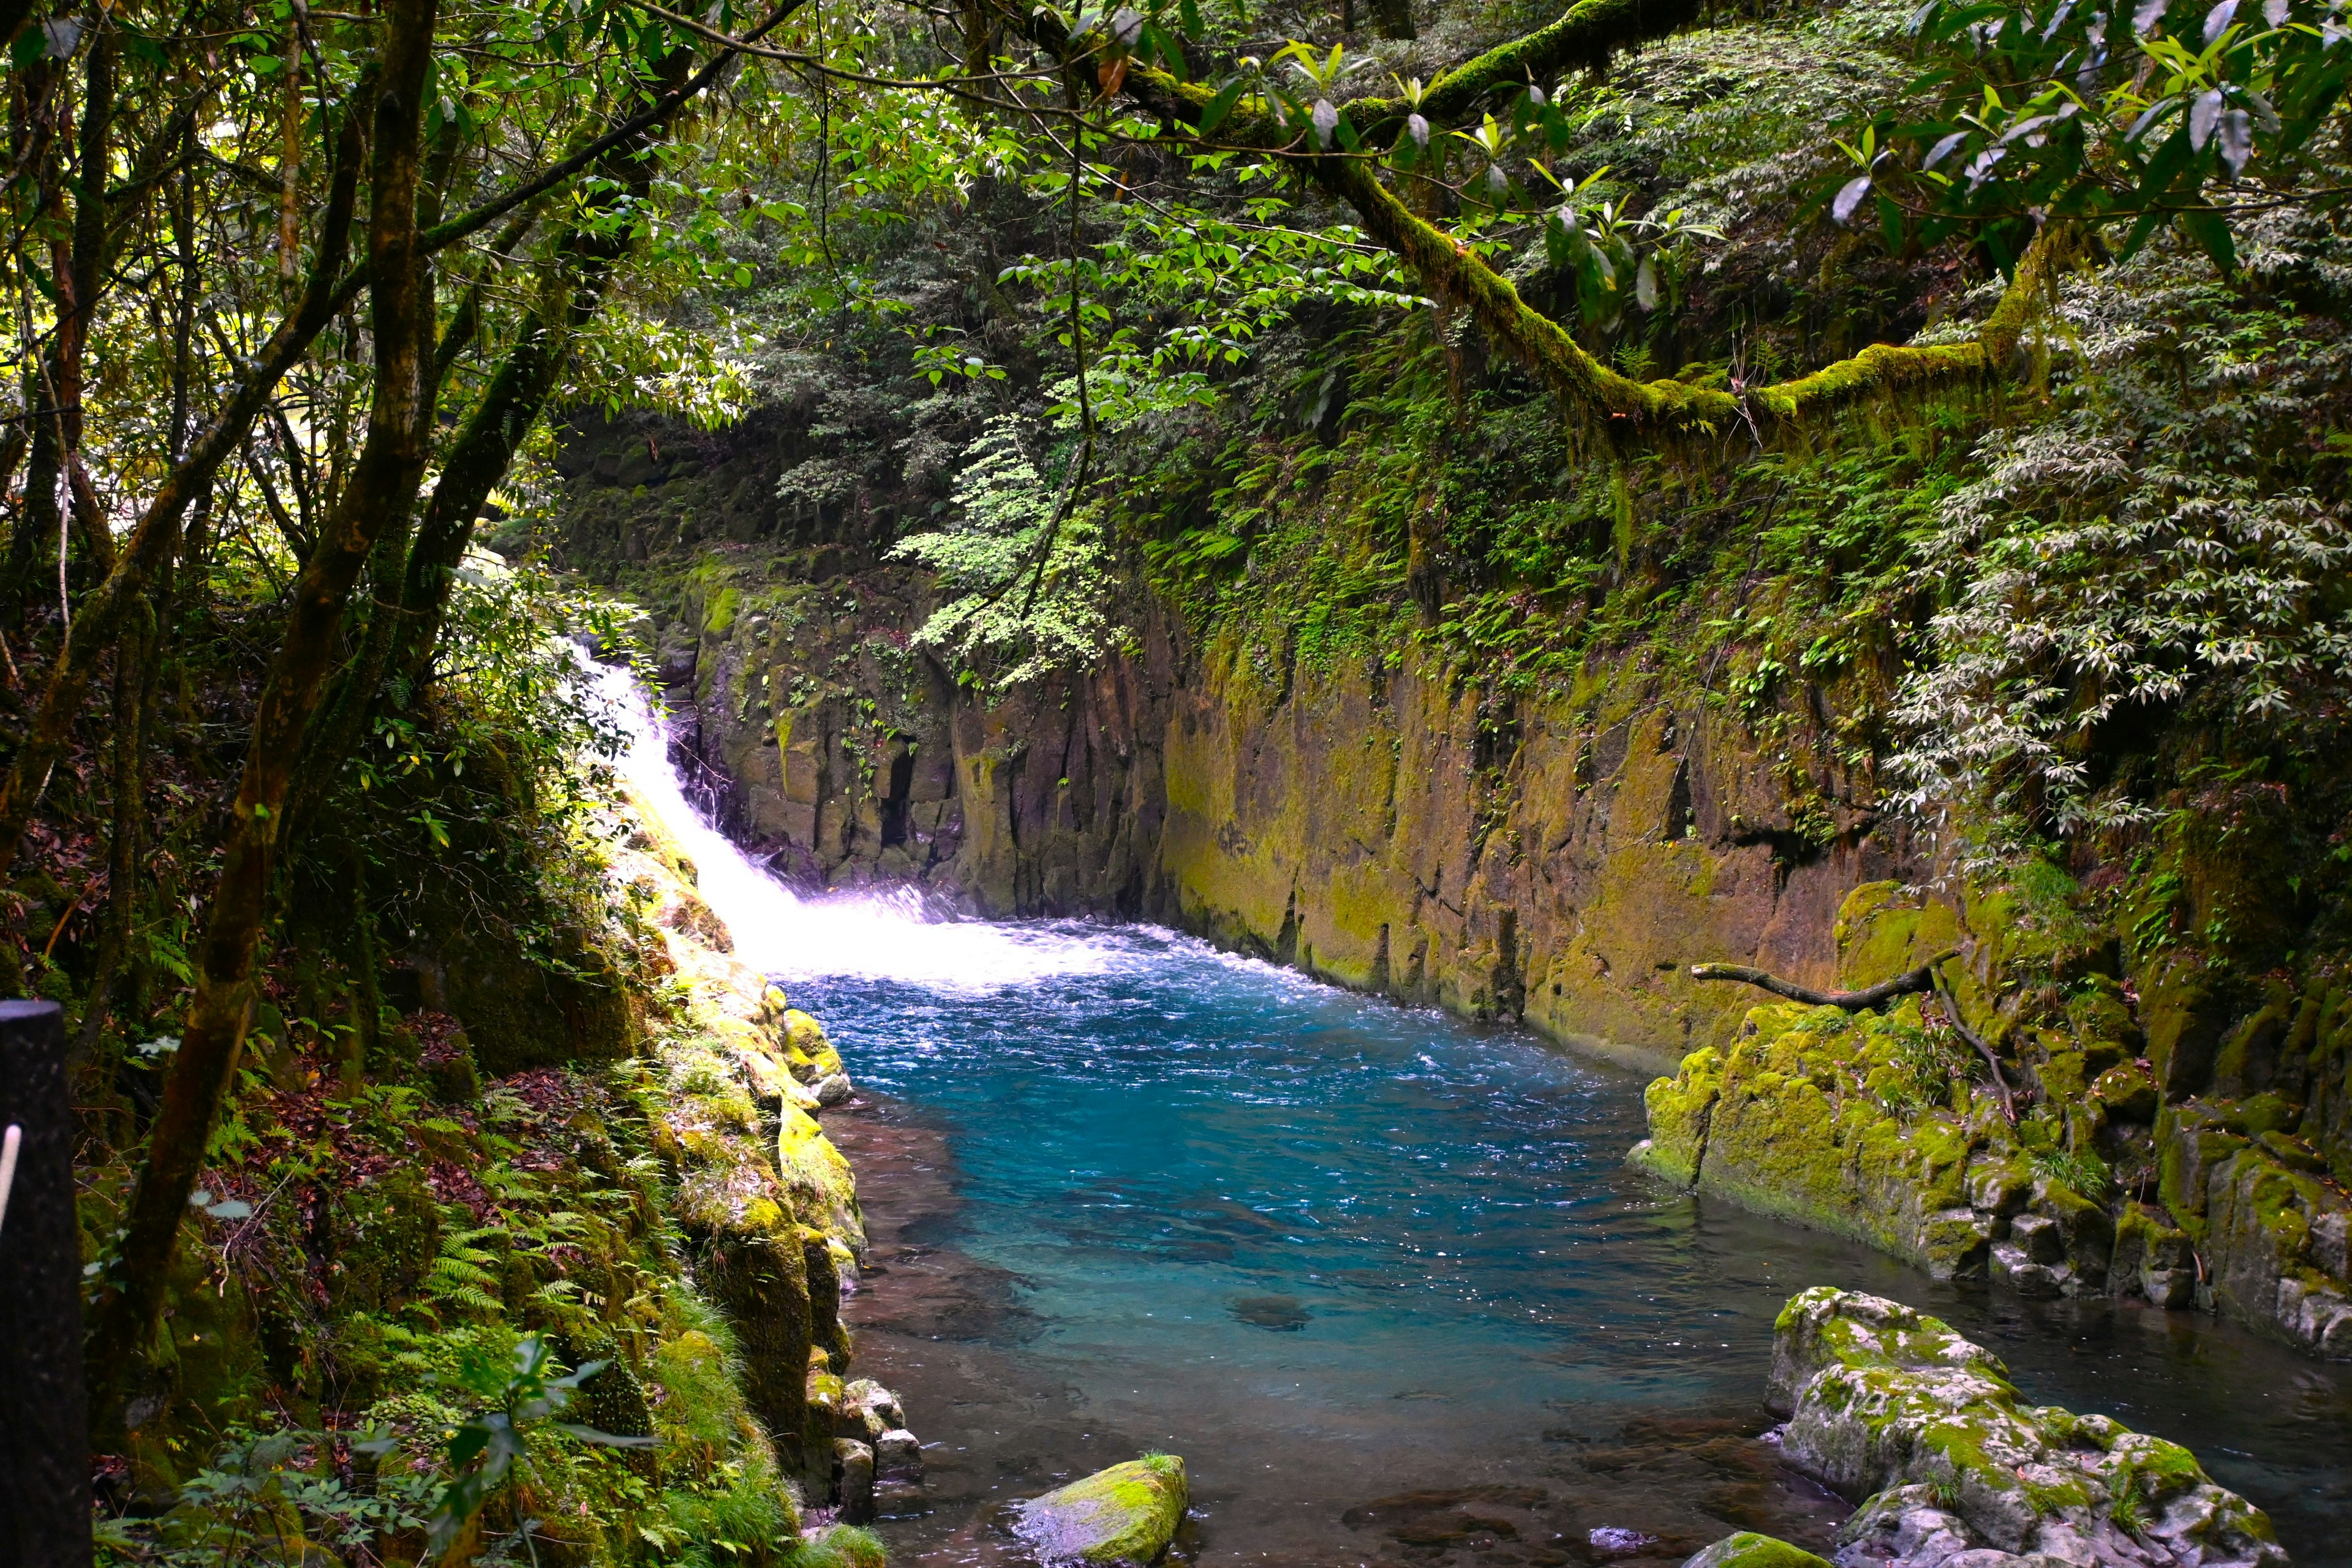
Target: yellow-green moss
<point x="1749" y="1550"/>
<point x="1127" y="1514"/>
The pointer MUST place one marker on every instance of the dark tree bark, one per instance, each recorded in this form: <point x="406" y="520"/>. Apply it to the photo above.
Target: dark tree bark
<point x="44" y="1502"/>
<point x="412" y="581"/>
<point x="34" y="136"/>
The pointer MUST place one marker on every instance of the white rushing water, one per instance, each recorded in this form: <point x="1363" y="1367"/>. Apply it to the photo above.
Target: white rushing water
<point x="871" y="935"/>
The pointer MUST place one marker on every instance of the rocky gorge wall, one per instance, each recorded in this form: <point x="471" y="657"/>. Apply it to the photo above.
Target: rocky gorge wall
<point x="1378" y="822"/>
<point x="1371" y="824"/>
<point x="1382" y="821"/>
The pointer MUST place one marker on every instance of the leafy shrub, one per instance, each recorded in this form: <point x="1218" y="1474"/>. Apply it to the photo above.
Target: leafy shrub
<point x="2165" y="544"/>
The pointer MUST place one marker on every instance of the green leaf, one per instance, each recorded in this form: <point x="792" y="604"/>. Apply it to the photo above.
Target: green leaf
<point x="2211" y="232"/>
<point x="1213" y="113"/>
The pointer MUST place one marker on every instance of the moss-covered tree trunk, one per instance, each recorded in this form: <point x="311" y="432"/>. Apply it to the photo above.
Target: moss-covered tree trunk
<point x="381" y="487"/>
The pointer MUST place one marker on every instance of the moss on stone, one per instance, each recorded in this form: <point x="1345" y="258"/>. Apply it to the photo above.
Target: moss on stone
<point x="1749" y="1550"/>
<point x="1880" y="1397"/>
<point x="1679" y="1109"/>
<point x="1125" y="1514"/>
<point x="1816" y="1115"/>
<point x="840" y="1546"/>
<point x="386" y="1233"/>
<point x="2127" y="1093"/>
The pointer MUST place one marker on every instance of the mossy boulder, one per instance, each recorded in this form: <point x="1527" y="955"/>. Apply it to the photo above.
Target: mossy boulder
<point x="1849" y="1122"/>
<point x="1125" y="1514"/>
<point x="824" y="1189"/>
<point x="386" y="1232"/>
<point x="2155" y="1256"/>
<point x="1749" y="1550"/>
<point x="1680" y="1109"/>
<point x="811" y="1056"/>
<point x="841" y="1546"/>
<point x="1881" y="1397"/>
<point x="2126" y="1092"/>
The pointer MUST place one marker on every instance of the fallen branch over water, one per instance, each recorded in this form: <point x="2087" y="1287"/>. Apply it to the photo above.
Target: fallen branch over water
<point x="1910" y="981"/>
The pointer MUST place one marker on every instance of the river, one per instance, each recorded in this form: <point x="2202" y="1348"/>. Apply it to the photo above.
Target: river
<point x="1382" y="1278"/>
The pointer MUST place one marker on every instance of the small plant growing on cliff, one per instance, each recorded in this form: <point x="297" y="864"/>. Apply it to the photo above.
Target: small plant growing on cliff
<point x="1929" y="1062"/>
<point x="2078" y="1171"/>
<point x="2129" y="1510"/>
<point x="484" y="1449"/>
<point x="1026" y="568"/>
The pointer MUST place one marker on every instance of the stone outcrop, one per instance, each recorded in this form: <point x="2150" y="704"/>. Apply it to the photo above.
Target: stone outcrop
<point x="1749" y="1550"/>
<point x="1815" y="1114"/>
<point x="770" y="1205"/>
<point x="1882" y="1127"/>
<point x="1125" y="1515"/>
<point x="1952" y="1469"/>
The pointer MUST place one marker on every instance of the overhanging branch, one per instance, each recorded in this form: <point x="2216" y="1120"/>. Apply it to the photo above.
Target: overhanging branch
<point x="1628" y="412"/>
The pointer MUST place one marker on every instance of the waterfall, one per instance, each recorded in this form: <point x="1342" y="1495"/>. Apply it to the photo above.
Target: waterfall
<point x="881" y="935"/>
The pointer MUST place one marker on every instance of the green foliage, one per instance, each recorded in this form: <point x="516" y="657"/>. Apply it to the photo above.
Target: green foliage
<point x="2178" y="111"/>
<point x="2166" y="541"/>
<point x="1926" y="1063"/>
<point x="1026" y="563"/>
<point x="2079" y="1171"/>
<point x="487" y="1446"/>
<point x="748" y="1518"/>
<point x="843" y="1546"/>
<point x="269" y="1496"/>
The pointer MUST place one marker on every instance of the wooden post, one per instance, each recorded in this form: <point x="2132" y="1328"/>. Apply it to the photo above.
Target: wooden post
<point x="44" y="1496"/>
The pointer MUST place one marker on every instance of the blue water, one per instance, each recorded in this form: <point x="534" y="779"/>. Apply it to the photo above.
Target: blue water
<point x="1384" y="1279"/>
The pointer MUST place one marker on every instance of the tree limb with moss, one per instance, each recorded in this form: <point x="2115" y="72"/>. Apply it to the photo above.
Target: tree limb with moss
<point x="1625" y="411"/>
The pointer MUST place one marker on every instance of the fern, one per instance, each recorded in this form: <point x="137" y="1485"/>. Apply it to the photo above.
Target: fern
<point x="460" y="1275"/>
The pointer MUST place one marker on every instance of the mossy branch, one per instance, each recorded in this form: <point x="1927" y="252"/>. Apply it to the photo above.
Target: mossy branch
<point x="1674" y="409"/>
<point x="1630" y="412"/>
<point x="1911" y="982"/>
<point x="1584" y="37"/>
<point x="1543" y="345"/>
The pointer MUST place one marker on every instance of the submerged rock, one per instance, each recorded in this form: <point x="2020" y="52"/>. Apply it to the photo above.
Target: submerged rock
<point x="899" y="1453"/>
<point x="1894" y="1406"/>
<point x="1614" y="1541"/>
<point x="1282" y="1313"/>
<point x="897" y="1474"/>
<point x="1127" y="1514"/>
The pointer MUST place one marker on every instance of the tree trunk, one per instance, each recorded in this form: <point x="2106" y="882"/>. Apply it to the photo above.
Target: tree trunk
<point x="382" y="485"/>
